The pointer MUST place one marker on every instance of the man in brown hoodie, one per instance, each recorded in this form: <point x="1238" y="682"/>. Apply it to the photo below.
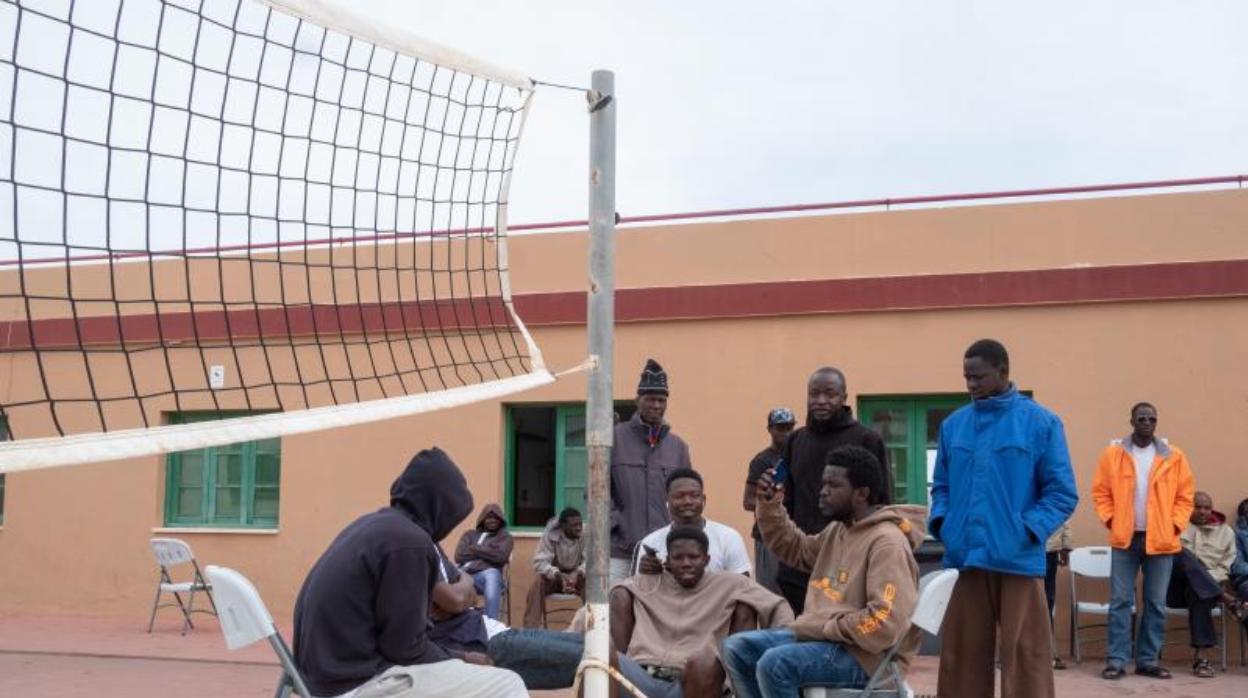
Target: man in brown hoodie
<point x="863" y="586"/>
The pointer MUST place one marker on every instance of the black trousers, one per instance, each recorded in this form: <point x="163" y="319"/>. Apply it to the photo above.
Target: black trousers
<point x="1050" y="579"/>
<point x="1193" y="588"/>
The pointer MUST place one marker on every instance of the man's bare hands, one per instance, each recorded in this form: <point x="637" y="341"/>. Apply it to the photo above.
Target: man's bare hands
<point x="766" y="490"/>
<point x="649" y="563"/>
<point x="477" y="658"/>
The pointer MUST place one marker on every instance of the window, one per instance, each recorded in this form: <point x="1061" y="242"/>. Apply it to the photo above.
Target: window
<point x="546" y="460"/>
<point x="234" y="486"/>
<point x="910" y="425"/>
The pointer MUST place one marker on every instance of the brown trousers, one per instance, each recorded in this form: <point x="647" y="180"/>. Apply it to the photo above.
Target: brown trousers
<point x="983" y="604"/>
<point x="535" y="605"/>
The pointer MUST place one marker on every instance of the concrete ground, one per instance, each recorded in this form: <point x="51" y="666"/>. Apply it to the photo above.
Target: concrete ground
<point x="78" y="657"/>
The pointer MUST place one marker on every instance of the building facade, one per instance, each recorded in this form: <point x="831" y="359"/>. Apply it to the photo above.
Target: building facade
<point x="1102" y="302"/>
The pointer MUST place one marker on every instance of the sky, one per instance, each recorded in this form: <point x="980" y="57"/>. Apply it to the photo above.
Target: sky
<point x="737" y="104"/>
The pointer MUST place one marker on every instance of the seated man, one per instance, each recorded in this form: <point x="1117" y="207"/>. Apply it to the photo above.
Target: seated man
<point x="667" y="627"/>
<point x="1202" y="578"/>
<point x="685" y="502"/>
<point x="863" y="586"/>
<point x="483" y="552"/>
<point x="361" y="619"/>
<point x="559" y="563"/>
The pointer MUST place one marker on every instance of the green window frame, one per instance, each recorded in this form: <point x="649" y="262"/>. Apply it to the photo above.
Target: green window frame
<point x="571" y="458"/>
<point x="910" y="427"/>
<point x="232" y="486"/>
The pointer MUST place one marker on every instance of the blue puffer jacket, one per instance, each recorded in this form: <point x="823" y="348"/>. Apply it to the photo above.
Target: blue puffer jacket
<point x="1003" y="484"/>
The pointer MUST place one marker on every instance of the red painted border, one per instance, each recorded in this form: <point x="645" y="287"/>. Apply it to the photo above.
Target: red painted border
<point x="1168" y="281"/>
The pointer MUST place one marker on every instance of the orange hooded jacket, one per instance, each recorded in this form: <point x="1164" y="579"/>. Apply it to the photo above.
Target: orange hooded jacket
<point x="1171" y="489"/>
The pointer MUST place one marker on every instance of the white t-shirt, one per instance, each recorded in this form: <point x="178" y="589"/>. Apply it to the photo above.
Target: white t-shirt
<point x="727" y="548"/>
<point x="1143" y="458"/>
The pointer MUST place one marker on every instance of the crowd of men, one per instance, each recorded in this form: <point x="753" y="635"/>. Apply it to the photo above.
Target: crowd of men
<point x="835" y="582"/>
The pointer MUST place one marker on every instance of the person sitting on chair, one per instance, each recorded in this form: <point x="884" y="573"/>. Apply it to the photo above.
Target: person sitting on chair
<point x="863" y="585"/>
<point x="1202" y="578"/>
<point x="559" y="563"/>
<point x="483" y="552"/>
<point x="362" y="616"/>
<point x="667" y="627"/>
<point x="686" y="501"/>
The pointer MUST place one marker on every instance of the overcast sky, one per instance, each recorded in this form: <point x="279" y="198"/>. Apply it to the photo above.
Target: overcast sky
<point x="732" y="104"/>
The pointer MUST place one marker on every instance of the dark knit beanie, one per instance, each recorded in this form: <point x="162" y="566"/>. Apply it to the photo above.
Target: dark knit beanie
<point x="653" y="379"/>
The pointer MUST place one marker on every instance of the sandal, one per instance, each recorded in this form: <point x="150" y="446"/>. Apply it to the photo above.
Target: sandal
<point x="1113" y="673"/>
<point x="1058" y="664"/>
<point x="1203" y="669"/>
<point x="1155" y="671"/>
<point x="1239" y="610"/>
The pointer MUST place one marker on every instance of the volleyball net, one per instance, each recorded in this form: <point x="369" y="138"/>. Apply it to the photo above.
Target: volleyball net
<point x="277" y="213"/>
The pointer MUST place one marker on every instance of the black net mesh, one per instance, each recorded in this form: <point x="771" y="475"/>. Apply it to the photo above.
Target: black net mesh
<point x="216" y="206"/>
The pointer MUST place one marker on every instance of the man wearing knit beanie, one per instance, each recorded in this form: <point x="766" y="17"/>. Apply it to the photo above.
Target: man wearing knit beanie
<point x="645" y="451"/>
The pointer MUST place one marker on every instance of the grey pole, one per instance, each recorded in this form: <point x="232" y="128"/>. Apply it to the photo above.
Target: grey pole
<point x="599" y="408"/>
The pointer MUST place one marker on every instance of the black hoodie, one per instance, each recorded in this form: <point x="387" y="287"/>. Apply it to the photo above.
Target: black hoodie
<point x="364" y="606"/>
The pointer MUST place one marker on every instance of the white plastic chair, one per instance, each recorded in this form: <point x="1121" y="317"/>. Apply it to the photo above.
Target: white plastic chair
<point x="169" y="553"/>
<point x="935" y="588"/>
<point x="1093" y="562"/>
<point x="245" y="620"/>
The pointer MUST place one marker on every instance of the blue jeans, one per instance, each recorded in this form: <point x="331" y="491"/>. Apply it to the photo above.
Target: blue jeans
<point x="774" y="664"/>
<point x="1124" y="566"/>
<point x="544" y="659"/>
<point x="489" y="584"/>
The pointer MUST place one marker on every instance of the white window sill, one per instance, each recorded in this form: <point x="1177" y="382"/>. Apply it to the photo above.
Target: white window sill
<point x="527" y="534"/>
<point x="236" y="531"/>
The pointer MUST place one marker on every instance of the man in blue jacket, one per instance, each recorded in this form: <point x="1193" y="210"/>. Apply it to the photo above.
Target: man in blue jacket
<point x="1003" y="484"/>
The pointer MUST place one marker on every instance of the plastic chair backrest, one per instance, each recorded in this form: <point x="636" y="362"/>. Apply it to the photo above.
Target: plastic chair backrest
<point x="171" y="551"/>
<point x="935" y="588"/>
<point x="1091" y="561"/>
<point x="244" y="618"/>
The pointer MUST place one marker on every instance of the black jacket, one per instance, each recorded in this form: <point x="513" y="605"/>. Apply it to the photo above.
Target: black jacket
<point x="364" y="606"/>
<point x="806" y="452"/>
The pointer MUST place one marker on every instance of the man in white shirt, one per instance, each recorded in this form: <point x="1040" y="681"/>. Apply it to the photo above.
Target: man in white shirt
<point x="686" y="501"/>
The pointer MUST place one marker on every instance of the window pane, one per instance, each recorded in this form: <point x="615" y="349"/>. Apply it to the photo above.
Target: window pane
<point x="575" y="478"/>
<point x="891" y="424"/>
<point x="229" y="467"/>
<point x="936" y="415"/>
<point x="190" y="503"/>
<point x="192" y="470"/>
<point x="574" y="430"/>
<point x="266" y="504"/>
<point x="268" y="469"/>
<point x="229" y="505"/>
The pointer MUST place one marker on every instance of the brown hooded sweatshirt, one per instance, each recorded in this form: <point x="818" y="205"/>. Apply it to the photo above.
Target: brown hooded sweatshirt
<point x="864" y="579"/>
<point x="478" y="550"/>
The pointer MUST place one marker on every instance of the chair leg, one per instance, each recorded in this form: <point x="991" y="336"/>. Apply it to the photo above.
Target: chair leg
<point x="155" y="605"/>
<point x="1223" y="614"/>
<point x="186" y="610"/>
<point x="283" y="687"/>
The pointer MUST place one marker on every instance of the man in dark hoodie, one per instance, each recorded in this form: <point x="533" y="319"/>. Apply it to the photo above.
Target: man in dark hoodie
<point x="483" y="552"/>
<point x="645" y="453"/>
<point x="830" y="424"/>
<point x="362" y="616"/>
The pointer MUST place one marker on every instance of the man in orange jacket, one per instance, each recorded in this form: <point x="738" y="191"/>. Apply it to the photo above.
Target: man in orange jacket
<point x="1143" y="492"/>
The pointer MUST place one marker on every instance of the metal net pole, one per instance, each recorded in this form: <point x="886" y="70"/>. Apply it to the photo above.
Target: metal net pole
<point x="599" y="408"/>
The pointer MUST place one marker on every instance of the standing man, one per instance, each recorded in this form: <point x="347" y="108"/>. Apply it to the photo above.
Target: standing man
<point x="362" y="616"/>
<point x="1003" y="484"/>
<point x="829" y="424"/>
<point x="1143" y="492"/>
<point x="780" y="423"/>
<point x="646" y="451"/>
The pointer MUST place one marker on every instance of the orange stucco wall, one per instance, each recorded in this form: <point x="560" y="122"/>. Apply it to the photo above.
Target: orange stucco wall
<point x="74" y="540"/>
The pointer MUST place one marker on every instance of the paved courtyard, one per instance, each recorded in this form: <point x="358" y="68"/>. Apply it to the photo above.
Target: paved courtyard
<point x="78" y="657"/>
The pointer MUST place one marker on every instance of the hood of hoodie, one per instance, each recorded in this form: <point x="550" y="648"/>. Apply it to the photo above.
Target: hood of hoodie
<point x="910" y="518"/>
<point x="486" y="511"/>
<point x="1216" y="518"/>
<point x="432" y="492"/>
